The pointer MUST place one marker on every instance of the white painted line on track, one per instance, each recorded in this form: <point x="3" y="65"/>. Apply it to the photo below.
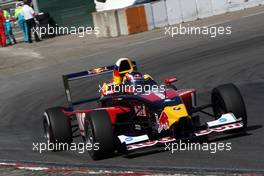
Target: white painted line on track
<point x="33" y="168"/>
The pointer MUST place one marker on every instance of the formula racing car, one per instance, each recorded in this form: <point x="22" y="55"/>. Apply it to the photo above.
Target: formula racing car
<point x="135" y="112"/>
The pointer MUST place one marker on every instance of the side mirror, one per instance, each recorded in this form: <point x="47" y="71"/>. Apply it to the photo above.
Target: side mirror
<point x="170" y="80"/>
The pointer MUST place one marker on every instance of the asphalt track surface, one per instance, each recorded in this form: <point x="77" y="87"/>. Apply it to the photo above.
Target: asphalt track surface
<point x="200" y="62"/>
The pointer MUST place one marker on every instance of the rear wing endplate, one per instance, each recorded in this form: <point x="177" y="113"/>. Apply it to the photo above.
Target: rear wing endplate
<point x="85" y="74"/>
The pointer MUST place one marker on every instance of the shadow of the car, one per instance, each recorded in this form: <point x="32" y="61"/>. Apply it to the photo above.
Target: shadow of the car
<point x="236" y="135"/>
<point x="254" y="127"/>
<point x="144" y="152"/>
<point x="150" y="151"/>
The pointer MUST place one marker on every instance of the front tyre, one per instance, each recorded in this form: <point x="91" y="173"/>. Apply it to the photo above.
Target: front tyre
<point x="99" y="133"/>
<point x="183" y="128"/>
<point x="57" y="127"/>
<point x="227" y="98"/>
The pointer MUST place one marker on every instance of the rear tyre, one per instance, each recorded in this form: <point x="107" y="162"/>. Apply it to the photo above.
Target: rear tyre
<point x="57" y="127"/>
<point x="227" y="98"/>
<point x="99" y="133"/>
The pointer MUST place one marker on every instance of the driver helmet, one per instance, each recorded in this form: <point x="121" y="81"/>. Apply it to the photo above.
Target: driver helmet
<point x="121" y="68"/>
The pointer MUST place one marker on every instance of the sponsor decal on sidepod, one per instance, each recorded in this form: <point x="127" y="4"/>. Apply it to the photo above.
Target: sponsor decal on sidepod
<point x="163" y="122"/>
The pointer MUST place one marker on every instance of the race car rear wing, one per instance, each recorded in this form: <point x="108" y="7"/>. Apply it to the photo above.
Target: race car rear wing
<point x="85" y="74"/>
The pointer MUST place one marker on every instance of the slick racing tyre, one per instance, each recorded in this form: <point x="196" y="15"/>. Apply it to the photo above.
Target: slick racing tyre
<point x="227" y="98"/>
<point x="57" y="127"/>
<point x="183" y="128"/>
<point x="99" y="133"/>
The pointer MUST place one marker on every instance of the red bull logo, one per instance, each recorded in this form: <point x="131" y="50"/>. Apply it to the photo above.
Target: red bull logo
<point x="163" y="122"/>
<point x="97" y="70"/>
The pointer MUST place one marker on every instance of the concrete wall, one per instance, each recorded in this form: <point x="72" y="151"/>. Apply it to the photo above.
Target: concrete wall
<point x="162" y="13"/>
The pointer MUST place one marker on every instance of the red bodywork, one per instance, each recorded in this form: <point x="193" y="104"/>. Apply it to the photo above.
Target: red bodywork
<point x="112" y="112"/>
<point x="188" y="96"/>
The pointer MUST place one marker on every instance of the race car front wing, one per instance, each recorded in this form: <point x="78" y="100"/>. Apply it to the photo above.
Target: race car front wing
<point x="213" y="129"/>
